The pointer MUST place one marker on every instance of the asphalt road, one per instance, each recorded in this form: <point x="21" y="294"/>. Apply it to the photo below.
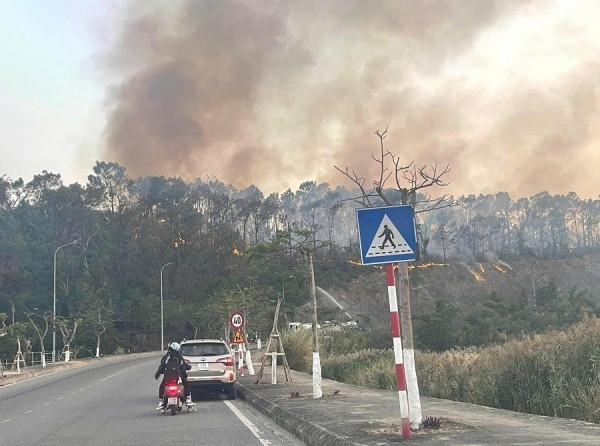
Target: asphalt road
<point x="113" y="403"/>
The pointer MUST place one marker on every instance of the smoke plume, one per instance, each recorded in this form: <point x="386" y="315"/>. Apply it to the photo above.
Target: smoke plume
<point x="274" y="93"/>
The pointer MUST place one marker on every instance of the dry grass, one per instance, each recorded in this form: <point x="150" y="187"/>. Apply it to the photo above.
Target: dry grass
<point x="554" y="374"/>
<point x="298" y="349"/>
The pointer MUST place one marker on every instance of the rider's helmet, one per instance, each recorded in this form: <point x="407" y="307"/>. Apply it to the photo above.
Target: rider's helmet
<point x="174" y="346"/>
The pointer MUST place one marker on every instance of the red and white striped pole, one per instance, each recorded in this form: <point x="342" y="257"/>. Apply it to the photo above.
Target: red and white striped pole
<point x="398" y="354"/>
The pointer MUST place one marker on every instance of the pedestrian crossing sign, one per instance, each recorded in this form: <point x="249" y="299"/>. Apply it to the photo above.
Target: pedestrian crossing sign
<point x="387" y="234"/>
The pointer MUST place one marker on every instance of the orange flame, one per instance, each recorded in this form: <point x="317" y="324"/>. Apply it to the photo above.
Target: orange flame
<point x="477" y="276"/>
<point x="481" y="268"/>
<point x="236" y="251"/>
<point x="499" y="268"/>
<point x="354" y="262"/>
<point x="426" y="265"/>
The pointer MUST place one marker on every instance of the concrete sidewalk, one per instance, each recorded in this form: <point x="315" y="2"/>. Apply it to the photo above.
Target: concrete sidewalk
<point x="351" y="415"/>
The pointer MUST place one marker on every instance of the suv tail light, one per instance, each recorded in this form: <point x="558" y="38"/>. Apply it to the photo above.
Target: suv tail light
<point x="228" y="361"/>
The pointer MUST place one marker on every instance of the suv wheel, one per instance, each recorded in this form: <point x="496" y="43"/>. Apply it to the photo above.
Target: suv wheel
<point x="231" y="394"/>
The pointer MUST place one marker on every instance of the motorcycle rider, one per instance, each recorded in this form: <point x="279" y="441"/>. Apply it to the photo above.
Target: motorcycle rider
<point x="173" y="366"/>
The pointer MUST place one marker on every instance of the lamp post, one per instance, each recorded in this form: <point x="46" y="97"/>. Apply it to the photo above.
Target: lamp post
<point x="283" y="294"/>
<point x="283" y="291"/>
<point x="54" y="302"/>
<point x="162" y="325"/>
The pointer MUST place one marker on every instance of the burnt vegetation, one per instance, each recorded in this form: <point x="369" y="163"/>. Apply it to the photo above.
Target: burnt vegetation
<point x="108" y="285"/>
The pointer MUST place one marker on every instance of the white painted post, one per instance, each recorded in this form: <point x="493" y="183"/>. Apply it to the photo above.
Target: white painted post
<point x="274" y="368"/>
<point x="249" y="362"/>
<point x="316" y="373"/>
<point x="258" y="344"/>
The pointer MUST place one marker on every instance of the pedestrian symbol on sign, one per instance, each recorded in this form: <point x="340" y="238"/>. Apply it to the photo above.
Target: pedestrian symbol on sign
<point x="387" y="233"/>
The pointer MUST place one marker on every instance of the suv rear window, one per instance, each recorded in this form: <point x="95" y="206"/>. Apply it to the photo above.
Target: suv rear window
<point x="204" y="349"/>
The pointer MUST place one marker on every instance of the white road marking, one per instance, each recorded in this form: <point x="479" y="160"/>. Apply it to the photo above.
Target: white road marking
<point x="5" y="421"/>
<point x="249" y="424"/>
<point x="60" y="397"/>
<point x="46" y="404"/>
<point x="115" y="374"/>
<point x="29" y="411"/>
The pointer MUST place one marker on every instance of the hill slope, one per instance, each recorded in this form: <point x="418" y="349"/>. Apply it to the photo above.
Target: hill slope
<point x="462" y="283"/>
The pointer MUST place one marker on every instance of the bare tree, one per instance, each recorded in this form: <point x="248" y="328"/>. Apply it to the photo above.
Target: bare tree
<point x="99" y="330"/>
<point x="409" y="182"/>
<point x="3" y="330"/>
<point x="304" y="242"/>
<point x="301" y="241"/>
<point x="41" y="335"/>
<point x="68" y="334"/>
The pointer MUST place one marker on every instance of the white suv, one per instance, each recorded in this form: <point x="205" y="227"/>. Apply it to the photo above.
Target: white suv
<point x="213" y="366"/>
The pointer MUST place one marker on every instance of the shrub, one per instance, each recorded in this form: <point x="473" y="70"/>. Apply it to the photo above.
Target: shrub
<point x="298" y="349"/>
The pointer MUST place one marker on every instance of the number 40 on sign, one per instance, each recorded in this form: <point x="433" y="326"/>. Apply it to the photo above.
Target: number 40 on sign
<point x="236" y="320"/>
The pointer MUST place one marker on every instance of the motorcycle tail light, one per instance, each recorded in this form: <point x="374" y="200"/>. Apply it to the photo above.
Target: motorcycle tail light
<point x="172" y="389"/>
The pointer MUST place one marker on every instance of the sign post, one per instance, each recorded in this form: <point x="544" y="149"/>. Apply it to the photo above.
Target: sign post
<point x="387" y="235"/>
<point x="236" y="321"/>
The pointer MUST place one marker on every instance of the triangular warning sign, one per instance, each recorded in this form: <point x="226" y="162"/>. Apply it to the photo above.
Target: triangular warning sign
<point x="388" y="240"/>
<point x="238" y="338"/>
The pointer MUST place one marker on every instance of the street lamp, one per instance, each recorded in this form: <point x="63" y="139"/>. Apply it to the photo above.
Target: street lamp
<point x="162" y="325"/>
<point x="283" y="291"/>
<point x="74" y="242"/>
<point x="283" y="294"/>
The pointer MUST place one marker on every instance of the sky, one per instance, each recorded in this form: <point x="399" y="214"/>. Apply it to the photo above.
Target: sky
<point x="277" y="92"/>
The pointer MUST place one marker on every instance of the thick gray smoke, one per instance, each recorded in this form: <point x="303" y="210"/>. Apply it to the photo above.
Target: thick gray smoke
<point x="273" y="93"/>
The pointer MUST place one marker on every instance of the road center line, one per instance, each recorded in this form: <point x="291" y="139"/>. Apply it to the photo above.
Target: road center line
<point x="115" y="374"/>
<point x="29" y="411"/>
<point x="5" y="421"/>
<point x="249" y="424"/>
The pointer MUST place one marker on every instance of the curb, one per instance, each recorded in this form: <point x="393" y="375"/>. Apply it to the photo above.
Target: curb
<point x="310" y="433"/>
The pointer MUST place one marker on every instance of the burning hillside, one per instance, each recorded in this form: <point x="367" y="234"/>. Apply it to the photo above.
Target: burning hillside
<point x="466" y="284"/>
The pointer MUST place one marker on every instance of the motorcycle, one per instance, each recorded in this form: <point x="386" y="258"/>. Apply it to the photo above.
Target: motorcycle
<point x="174" y="397"/>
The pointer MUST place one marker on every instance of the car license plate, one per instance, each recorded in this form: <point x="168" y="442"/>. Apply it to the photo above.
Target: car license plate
<point x="202" y="366"/>
<point x="172" y="401"/>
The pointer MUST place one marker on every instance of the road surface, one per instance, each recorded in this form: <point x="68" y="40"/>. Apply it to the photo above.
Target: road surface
<point x="113" y="403"/>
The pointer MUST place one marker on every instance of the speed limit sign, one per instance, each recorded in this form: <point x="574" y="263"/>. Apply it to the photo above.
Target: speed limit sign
<point x="236" y="320"/>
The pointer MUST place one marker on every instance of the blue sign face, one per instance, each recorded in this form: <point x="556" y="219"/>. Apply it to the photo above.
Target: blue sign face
<point x="387" y="234"/>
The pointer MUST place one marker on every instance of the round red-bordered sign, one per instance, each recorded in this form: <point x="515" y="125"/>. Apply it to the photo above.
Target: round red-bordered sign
<point x="236" y="320"/>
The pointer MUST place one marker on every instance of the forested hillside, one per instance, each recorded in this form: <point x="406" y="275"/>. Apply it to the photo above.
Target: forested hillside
<point x="109" y="240"/>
